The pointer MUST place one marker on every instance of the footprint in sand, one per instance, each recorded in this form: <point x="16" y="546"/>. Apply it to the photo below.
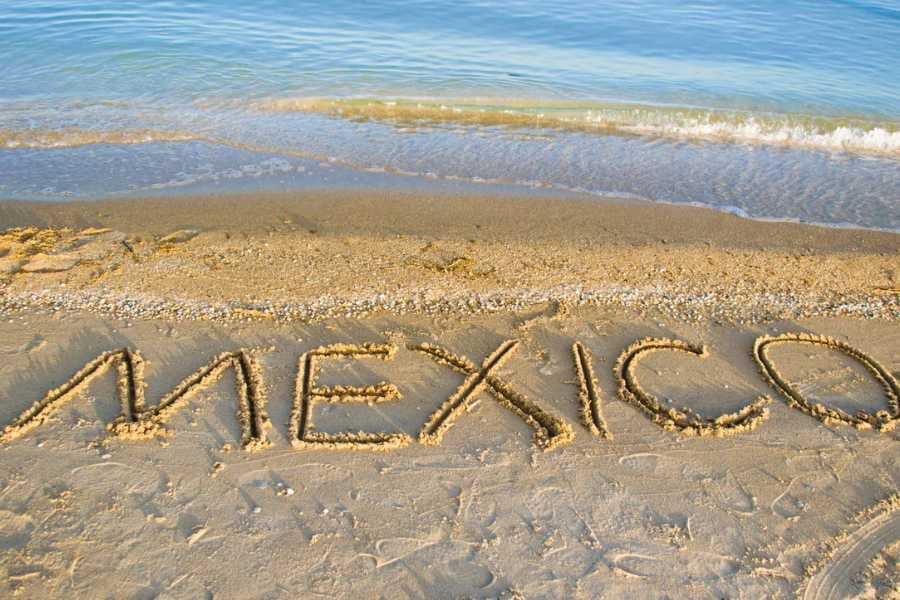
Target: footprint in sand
<point x="634" y="564"/>
<point x="470" y="577"/>
<point x="733" y="496"/>
<point x="648" y="463"/>
<point x="15" y="529"/>
<point x="389" y="551"/>
<point x="788" y="505"/>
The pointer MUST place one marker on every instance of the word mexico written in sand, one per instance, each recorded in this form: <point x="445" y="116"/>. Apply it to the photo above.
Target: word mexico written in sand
<point x="138" y="421"/>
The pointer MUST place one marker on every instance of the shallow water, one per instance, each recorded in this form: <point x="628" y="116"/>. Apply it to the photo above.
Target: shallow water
<point x="785" y="110"/>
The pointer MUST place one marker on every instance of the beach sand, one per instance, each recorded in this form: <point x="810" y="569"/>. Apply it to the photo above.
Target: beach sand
<point x="400" y="395"/>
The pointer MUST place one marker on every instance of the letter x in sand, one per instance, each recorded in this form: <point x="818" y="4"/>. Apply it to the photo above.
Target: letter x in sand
<point x="550" y="431"/>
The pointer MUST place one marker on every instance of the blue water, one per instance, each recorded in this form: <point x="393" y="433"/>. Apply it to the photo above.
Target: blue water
<point x="786" y="110"/>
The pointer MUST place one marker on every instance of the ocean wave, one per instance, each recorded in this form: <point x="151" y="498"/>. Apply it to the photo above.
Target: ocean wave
<point x="72" y="137"/>
<point x="844" y="134"/>
<point x="836" y="134"/>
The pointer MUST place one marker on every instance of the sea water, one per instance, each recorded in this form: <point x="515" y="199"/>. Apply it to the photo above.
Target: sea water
<point x="772" y="109"/>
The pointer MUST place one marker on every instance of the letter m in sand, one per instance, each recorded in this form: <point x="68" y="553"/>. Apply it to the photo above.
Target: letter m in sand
<point x="136" y="421"/>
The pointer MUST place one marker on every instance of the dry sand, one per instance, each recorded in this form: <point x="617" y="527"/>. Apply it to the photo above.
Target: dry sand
<point x="346" y="394"/>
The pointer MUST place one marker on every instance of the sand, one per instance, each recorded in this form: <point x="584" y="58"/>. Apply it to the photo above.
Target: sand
<point x="354" y="393"/>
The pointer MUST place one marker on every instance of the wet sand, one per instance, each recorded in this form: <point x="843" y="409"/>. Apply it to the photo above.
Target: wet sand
<point x="343" y="393"/>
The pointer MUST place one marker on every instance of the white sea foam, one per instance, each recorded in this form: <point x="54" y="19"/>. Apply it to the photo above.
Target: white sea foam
<point x="875" y="140"/>
<point x="842" y="134"/>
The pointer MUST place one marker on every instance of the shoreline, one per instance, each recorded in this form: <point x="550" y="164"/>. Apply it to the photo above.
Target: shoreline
<point x="454" y="213"/>
<point x="319" y="255"/>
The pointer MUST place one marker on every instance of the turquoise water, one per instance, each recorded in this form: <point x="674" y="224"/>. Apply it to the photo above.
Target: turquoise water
<point x="782" y="110"/>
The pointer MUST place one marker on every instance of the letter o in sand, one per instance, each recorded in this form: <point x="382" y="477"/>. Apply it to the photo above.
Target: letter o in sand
<point x="883" y="420"/>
